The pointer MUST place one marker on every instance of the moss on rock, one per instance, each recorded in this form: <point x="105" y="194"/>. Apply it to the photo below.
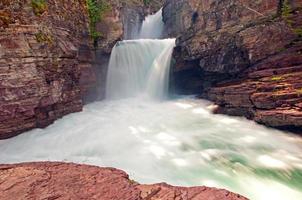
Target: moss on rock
<point x="39" y="6"/>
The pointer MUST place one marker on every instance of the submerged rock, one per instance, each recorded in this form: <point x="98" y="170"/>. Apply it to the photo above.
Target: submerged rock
<point x="46" y="180"/>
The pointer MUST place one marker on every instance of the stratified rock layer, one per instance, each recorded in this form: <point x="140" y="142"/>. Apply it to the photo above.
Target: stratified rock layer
<point x="244" y="55"/>
<point x="71" y="181"/>
<point x="49" y="66"/>
<point x="44" y="63"/>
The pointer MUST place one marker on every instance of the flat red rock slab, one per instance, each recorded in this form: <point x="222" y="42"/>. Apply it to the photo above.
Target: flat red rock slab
<point x="53" y="180"/>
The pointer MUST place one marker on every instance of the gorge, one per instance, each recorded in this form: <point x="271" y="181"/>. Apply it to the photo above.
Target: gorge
<point x="146" y="120"/>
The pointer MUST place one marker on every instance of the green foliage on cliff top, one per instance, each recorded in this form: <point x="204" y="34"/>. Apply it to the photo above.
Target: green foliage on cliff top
<point x="39" y="6"/>
<point x="96" y="10"/>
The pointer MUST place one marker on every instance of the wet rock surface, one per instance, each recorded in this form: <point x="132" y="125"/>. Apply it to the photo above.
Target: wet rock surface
<point x="72" y="181"/>
<point x="243" y="55"/>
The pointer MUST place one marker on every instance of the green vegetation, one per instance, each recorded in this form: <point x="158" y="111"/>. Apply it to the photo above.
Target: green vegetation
<point x="146" y="2"/>
<point x="43" y="37"/>
<point x="277" y="78"/>
<point x="96" y="11"/>
<point x="286" y="12"/>
<point x="39" y="6"/>
<point x="298" y="31"/>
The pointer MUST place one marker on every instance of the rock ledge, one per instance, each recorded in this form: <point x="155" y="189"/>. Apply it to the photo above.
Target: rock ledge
<point x="54" y="180"/>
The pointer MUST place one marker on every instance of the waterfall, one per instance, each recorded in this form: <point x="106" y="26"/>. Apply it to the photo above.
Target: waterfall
<point x="141" y="66"/>
<point x="153" y="26"/>
<point x="178" y="141"/>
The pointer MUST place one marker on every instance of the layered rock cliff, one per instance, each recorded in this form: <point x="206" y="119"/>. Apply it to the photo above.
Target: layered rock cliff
<point x="44" y="62"/>
<point x="50" y="61"/>
<point x="243" y="55"/>
<point x="71" y="181"/>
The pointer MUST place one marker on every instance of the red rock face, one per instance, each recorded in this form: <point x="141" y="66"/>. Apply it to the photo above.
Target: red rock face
<point x="270" y="94"/>
<point x="243" y="55"/>
<point x="41" y="67"/>
<point x="48" y="64"/>
<point x="72" y="181"/>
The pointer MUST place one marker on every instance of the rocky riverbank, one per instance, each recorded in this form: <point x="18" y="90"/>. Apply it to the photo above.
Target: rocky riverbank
<point x="71" y="181"/>
<point x="243" y="55"/>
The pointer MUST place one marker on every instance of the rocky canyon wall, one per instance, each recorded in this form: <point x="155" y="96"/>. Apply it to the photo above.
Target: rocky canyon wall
<point x="49" y="64"/>
<point x="246" y="56"/>
<point x="44" y="63"/>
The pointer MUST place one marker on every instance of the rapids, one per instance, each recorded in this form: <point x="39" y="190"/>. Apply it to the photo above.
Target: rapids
<point x="177" y="141"/>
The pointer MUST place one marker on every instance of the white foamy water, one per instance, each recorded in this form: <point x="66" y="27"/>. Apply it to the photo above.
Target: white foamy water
<point x="152" y="27"/>
<point x="177" y="141"/>
<point x="139" y="66"/>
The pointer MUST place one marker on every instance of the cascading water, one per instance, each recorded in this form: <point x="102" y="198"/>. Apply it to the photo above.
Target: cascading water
<point x="152" y="27"/>
<point x="175" y="141"/>
<point x="139" y="67"/>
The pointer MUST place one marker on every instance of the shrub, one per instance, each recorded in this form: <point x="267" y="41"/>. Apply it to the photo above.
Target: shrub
<point x="43" y="37"/>
<point x="146" y="2"/>
<point x="39" y="6"/>
<point x="286" y="10"/>
<point x="286" y="15"/>
<point x="298" y="31"/>
<point x="96" y="10"/>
